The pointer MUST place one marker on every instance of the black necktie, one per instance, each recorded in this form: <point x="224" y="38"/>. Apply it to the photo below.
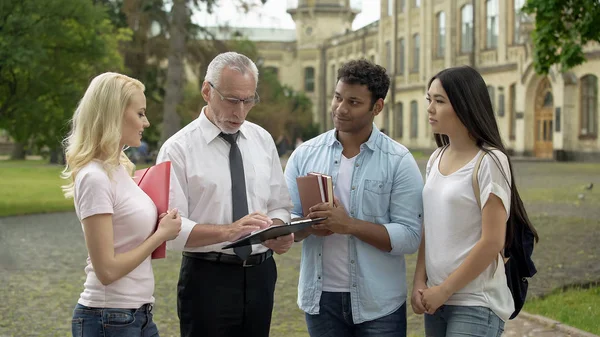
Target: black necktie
<point x="239" y="202"/>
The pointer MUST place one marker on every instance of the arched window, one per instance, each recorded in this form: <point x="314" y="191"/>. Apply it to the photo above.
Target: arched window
<point x="441" y="34"/>
<point x="466" y="29"/>
<point x="588" y="106"/>
<point x="491" y="40"/>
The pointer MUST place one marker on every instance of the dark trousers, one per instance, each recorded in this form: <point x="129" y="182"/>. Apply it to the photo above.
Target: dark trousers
<point x="225" y="300"/>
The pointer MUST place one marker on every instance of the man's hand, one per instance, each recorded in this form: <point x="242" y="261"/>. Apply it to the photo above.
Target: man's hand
<point x="281" y="244"/>
<point x="338" y="221"/>
<point x="247" y="225"/>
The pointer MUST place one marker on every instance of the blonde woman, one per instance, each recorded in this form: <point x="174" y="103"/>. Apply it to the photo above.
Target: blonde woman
<point x="117" y="217"/>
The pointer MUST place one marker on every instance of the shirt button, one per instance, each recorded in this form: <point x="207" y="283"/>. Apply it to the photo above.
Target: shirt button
<point x="319" y="277"/>
<point x="354" y="285"/>
<point x="352" y="261"/>
<point x="335" y="162"/>
<point x="353" y="188"/>
<point x="357" y="165"/>
<point x="351" y="212"/>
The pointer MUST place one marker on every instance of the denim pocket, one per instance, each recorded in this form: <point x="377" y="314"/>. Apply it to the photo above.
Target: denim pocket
<point x="77" y="327"/>
<point x="376" y="197"/>
<point x="119" y="317"/>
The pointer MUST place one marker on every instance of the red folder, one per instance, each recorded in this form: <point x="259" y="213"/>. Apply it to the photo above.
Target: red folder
<point x="155" y="181"/>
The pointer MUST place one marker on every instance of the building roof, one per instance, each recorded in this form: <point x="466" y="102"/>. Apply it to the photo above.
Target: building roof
<point x="251" y="33"/>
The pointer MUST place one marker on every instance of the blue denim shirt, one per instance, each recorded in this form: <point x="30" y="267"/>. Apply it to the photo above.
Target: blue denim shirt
<point x="386" y="189"/>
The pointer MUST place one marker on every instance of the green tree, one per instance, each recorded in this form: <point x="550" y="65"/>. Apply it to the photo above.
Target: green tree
<point x="49" y="51"/>
<point x="562" y="28"/>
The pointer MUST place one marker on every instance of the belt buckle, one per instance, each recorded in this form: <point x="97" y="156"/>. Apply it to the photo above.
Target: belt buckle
<point x="150" y="307"/>
<point x="245" y="264"/>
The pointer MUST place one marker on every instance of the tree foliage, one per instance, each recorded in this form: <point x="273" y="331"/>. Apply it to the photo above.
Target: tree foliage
<point x="562" y="29"/>
<point x="49" y="51"/>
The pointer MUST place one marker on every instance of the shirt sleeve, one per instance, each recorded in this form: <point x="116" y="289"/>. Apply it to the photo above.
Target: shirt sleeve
<point x="178" y="191"/>
<point x="406" y="208"/>
<point x="279" y="204"/>
<point x="291" y="173"/>
<point x="494" y="177"/>
<point x="93" y="194"/>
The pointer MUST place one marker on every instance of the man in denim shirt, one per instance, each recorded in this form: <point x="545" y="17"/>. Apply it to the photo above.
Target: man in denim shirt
<point x="353" y="273"/>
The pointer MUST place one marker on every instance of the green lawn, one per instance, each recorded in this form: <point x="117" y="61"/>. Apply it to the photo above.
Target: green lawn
<point x="576" y="307"/>
<point x="31" y="186"/>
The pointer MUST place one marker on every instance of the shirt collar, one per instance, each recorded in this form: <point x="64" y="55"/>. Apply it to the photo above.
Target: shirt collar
<point x="370" y="143"/>
<point x="211" y="131"/>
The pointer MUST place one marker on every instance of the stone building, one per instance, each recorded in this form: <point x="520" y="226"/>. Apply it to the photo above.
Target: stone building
<point x="554" y="116"/>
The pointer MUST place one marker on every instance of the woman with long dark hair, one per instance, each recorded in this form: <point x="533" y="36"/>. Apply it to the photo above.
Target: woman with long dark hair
<point x="459" y="282"/>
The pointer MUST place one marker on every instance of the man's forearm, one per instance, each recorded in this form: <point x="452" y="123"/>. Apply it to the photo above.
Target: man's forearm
<point x="205" y="235"/>
<point x="374" y="234"/>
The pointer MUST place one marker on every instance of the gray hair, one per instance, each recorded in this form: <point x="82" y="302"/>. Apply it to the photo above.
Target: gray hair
<point x="233" y="61"/>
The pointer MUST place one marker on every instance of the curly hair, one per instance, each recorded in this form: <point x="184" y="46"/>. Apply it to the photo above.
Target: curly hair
<point x="366" y="73"/>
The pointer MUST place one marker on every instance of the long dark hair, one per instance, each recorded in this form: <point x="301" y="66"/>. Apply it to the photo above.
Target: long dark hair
<point x="470" y="99"/>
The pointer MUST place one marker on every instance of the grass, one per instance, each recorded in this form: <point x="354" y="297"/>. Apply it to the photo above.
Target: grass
<point x="578" y="307"/>
<point x="42" y="257"/>
<point x="31" y="186"/>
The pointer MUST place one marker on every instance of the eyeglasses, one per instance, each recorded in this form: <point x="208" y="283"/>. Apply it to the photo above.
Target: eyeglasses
<point x="247" y="103"/>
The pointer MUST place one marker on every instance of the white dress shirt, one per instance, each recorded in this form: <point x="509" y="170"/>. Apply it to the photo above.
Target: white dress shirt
<point x="201" y="182"/>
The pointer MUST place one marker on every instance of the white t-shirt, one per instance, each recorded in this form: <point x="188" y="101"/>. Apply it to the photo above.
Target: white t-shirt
<point x="134" y="217"/>
<point x="452" y="224"/>
<point x="336" y="276"/>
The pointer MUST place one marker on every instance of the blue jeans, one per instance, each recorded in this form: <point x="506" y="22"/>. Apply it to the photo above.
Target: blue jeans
<point x="459" y="321"/>
<point x="112" y="322"/>
<point x="335" y="320"/>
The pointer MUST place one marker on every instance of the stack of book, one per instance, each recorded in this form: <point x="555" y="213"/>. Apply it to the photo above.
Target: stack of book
<point x="314" y="188"/>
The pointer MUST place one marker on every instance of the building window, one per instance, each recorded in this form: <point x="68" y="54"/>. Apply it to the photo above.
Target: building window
<point x="492" y="96"/>
<point x="309" y="79"/>
<point x="466" y="29"/>
<point x="588" y="106"/>
<point x="500" y="110"/>
<point x="518" y="18"/>
<point x="416" y="47"/>
<point x="441" y="34"/>
<point x="417" y="3"/>
<point x="390" y="7"/>
<point x="512" y="93"/>
<point x="491" y="39"/>
<point x="414" y="119"/>
<point x="401" y="6"/>
<point x="399" y="120"/>
<point x="388" y="56"/>
<point x="401" y="56"/>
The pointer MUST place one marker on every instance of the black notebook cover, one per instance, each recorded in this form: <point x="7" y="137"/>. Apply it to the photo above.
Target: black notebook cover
<point x="273" y="232"/>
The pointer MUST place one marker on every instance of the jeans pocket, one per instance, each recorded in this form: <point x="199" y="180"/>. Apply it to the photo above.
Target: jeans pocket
<point x="77" y="327"/>
<point x="119" y="317"/>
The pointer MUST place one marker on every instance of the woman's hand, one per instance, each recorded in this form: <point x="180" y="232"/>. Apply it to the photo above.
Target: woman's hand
<point x="169" y="225"/>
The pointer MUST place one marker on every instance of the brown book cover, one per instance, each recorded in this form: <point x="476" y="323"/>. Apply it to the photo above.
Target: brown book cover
<point x="309" y="191"/>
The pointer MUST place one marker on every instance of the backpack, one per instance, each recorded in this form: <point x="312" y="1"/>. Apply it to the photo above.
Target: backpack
<point x="518" y="265"/>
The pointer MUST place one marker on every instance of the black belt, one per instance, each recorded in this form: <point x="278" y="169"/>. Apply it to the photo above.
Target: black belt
<point x="253" y="260"/>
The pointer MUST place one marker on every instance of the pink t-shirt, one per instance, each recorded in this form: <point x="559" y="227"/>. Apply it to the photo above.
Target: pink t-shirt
<point x="134" y="217"/>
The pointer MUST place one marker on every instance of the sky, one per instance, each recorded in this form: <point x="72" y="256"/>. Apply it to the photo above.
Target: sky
<point x="272" y="14"/>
